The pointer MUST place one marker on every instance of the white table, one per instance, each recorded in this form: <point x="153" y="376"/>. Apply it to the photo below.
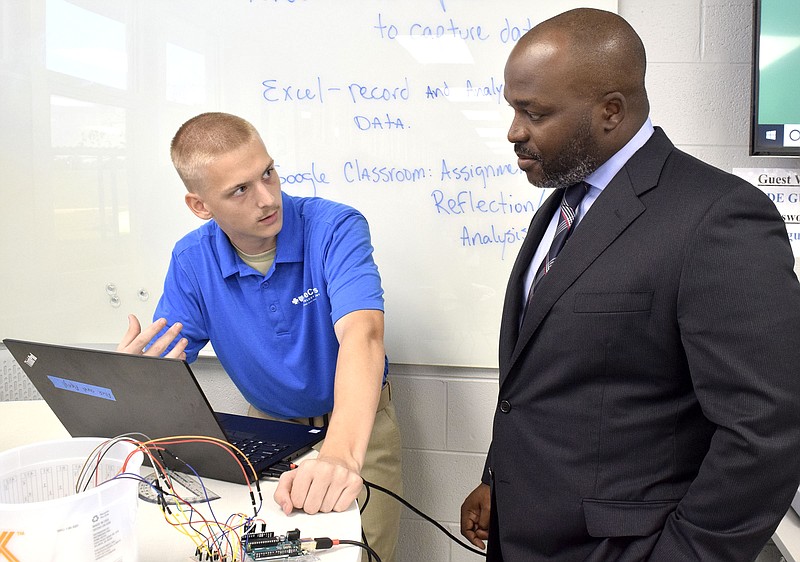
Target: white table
<point x="787" y="537"/>
<point x="25" y="422"/>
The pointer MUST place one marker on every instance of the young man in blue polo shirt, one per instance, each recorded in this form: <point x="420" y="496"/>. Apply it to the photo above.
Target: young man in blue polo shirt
<point x="286" y="290"/>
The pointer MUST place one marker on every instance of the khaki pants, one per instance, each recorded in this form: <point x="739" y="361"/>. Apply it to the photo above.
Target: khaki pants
<point x="381" y="517"/>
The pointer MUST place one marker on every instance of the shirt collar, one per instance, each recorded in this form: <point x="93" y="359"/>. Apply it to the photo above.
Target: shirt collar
<point x="289" y="247"/>
<point x="601" y="177"/>
<point x="291" y="238"/>
<point x="229" y="260"/>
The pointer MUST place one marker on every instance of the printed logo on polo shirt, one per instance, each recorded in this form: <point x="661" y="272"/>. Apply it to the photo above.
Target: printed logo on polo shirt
<point x="307" y="297"/>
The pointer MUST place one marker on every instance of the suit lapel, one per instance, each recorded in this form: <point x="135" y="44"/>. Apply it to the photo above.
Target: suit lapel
<point x="616" y="208"/>
<point x="509" y="327"/>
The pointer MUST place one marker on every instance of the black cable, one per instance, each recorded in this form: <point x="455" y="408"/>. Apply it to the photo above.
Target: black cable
<point x="366" y="542"/>
<point x="368" y="486"/>
<point x="366" y="499"/>
<point x="424" y="516"/>
<point x="366" y="547"/>
<point x="367" y="493"/>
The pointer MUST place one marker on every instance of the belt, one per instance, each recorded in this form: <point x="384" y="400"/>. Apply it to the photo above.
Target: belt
<point x="383" y="401"/>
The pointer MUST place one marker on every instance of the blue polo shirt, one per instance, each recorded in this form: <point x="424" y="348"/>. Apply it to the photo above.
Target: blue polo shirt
<point x="274" y="333"/>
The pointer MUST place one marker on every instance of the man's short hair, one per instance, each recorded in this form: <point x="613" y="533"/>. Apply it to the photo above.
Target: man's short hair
<point x="205" y="137"/>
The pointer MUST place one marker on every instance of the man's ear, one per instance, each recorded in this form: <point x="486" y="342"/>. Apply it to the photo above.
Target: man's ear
<point x="196" y="205"/>
<point x="614" y="108"/>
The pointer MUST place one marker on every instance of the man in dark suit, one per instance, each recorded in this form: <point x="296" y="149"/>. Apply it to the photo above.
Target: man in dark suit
<point x="649" y="402"/>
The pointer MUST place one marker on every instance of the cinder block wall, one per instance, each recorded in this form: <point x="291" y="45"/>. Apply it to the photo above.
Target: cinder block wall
<point x="446" y="420"/>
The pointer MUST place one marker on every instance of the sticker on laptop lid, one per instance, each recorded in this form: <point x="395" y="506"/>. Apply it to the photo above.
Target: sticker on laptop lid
<point x="82" y="388"/>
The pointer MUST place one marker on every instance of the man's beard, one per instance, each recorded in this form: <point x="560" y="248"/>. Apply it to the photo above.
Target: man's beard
<point x="575" y="162"/>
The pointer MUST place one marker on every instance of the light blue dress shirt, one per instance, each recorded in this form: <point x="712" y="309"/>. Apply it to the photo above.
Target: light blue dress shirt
<point x="597" y="181"/>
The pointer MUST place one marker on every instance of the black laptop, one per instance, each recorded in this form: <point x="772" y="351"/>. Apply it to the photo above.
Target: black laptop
<point x="98" y="393"/>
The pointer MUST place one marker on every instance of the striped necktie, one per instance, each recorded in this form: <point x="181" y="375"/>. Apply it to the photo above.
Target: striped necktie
<point x="573" y="195"/>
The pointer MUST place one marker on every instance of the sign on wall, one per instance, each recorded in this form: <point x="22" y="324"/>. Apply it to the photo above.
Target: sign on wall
<point x="782" y="186"/>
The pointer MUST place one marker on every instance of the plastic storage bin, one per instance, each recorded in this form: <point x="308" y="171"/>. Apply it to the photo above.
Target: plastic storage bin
<point x="43" y="519"/>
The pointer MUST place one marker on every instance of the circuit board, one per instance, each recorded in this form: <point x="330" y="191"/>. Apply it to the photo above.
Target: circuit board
<point x="269" y="546"/>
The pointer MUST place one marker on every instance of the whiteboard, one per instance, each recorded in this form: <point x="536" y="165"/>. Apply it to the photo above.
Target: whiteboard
<point x="393" y="107"/>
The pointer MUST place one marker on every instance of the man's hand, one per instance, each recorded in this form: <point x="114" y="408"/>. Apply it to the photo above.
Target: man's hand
<point x="135" y="339"/>
<point x="475" y="512"/>
<point x="323" y="484"/>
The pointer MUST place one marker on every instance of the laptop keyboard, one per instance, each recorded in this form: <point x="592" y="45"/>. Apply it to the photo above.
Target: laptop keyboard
<point x="258" y="451"/>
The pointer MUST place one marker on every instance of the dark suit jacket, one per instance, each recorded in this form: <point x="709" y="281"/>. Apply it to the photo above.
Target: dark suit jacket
<point x="649" y="404"/>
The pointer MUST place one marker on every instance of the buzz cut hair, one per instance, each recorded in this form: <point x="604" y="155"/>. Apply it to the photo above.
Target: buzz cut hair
<point x="205" y="137"/>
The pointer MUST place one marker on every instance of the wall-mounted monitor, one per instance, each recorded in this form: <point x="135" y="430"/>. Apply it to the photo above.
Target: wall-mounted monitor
<point x="775" y="106"/>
